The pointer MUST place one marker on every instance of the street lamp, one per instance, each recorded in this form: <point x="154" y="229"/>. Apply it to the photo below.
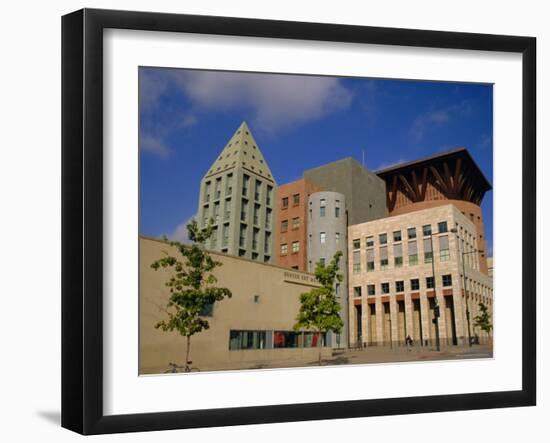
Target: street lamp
<point x="436" y="304"/>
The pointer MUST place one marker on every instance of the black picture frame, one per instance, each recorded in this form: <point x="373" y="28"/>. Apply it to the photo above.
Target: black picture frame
<point x="82" y="218"/>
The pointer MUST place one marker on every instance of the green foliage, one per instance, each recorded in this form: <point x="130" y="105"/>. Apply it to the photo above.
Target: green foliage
<point x="483" y="320"/>
<point x="319" y="309"/>
<point x="192" y="284"/>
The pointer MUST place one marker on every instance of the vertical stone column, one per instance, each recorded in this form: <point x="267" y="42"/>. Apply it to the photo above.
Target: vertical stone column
<point x="409" y="330"/>
<point x="394" y="332"/>
<point x="351" y="318"/>
<point x="379" y="320"/>
<point x="425" y="317"/>
<point x="364" y="320"/>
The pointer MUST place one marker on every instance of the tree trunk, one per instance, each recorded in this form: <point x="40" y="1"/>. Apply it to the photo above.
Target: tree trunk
<point x="320" y="345"/>
<point x="187" y="350"/>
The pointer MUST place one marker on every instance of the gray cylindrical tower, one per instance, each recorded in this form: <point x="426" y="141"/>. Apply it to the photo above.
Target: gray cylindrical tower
<point x="327" y="234"/>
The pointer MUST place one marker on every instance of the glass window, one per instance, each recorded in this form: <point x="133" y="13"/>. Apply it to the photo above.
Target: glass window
<point x="357" y="291"/>
<point x="207" y="191"/>
<point x="257" y="190"/>
<point x="442" y="227"/>
<point x="396" y="236"/>
<point x="284" y="249"/>
<point x="426" y="230"/>
<point x="242" y="236"/>
<point x="398" y="255"/>
<point x="246" y="181"/>
<point x="284" y="226"/>
<point x="413" y="253"/>
<point x="247" y="340"/>
<point x="444" y="253"/>
<point x="415" y="284"/>
<point x="428" y="253"/>
<point x="411" y="233"/>
<point x="285" y="339"/>
<point x="323" y="237"/>
<point x="370" y="241"/>
<point x="268" y="216"/>
<point x="295" y="246"/>
<point x="295" y="222"/>
<point x="385" y="288"/>
<point x="269" y="196"/>
<point x="285" y="202"/>
<point x="371" y="290"/>
<point x="399" y="286"/>
<point x="337" y="237"/>
<point x="337" y="209"/>
<point x="296" y="199"/>
<point x="383" y="239"/>
<point x="429" y="282"/>
<point x="267" y="242"/>
<point x="356" y="262"/>
<point x="255" y="236"/>
<point x="447" y="280"/>
<point x="256" y="215"/>
<point x="383" y="258"/>
<point x="356" y="243"/>
<point x="322" y="208"/>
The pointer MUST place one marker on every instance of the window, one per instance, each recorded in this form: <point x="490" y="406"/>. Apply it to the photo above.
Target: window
<point x="229" y="184"/>
<point x="383" y="258"/>
<point x="296" y="199"/>
<point x="383" y="239"/>
<point x="428" y="253"/>
<point x="322" y="207"/>
<point x="371" y="290"/>
<point x="357" y="291"/>
<point x="285" y="339"/>
<point x="205" y="216"/>
<point x="246" y="180"/>
<point x="322" y="261"/>
<point x="255" y="237"/>
<point x="216" y="212"/>
<point x="284" y="226"/>
<point x="256" y="217"/>
<point x="295" y="222"/>
<point x="447" y="280"/>
<point x="257" y="190"/>
<point x="337" y="209"/>
<point x="244" y="204"/>
<point x="411" y="233"/>
<point x="207" y="191"/>
<point x="444" y="254"/>
<point x="398" y="255"/>
<point x="356" y="243"/>
<point x="429" y="282"/>
<point x="396" y="236"/>
<point x="413" y="253"/>
<point x="400" y="286"/>
<point x="247" y="340"/>
<point x="415" y="284"/>
<point x="295" y="247"/>
<point x="268" y="216"/>
<point x="385" y="288"/>
<point x="337" y="237"/>
<point x="284" y="249"/>
<point x="269" y="195"/>
<point x="267" y="242"/>
<point x="227" y="209"/>
<point x="323" y="237"/>
<point x="369" y="241"/>
<point x="225" y="234"/>
<point x="337" y="289"/>
<point x="207" y="310"/>
<point x="356" y="262"/>
<point x="442" y="227"/>
<point x="370" y="260"/>
<point x="214" y="238"/>
<point x="285" y="202"/>
<point x="426" y="230"/>
<point x="242" y="236"/>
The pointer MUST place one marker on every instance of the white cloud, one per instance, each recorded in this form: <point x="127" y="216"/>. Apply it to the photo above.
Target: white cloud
<point x="180" y="232"/>
<point x="426" y="121"/>
<point x="275" y="101"/>
<point x="154" y="145"/>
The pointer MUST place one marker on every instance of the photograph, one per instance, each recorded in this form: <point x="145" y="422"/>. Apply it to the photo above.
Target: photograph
<point x="294" y="221"/>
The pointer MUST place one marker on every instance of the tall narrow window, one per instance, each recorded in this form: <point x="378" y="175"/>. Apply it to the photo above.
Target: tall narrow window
<point x="242" y="236"/>
<point x="356" y="243"/>
<point x="207" y="191"/>
<point x="246" y="182"/>
<point x="256" y="217"/>
<point x="225" y="234"/>
<point x="398" y="255"/>
<point x="229" y="184"/>
<point x="217" y="212"/>
<point x="284" y="225"/>
<point x="322" y="207"/>
<point x="255" y="238"/>
<point x="284" y="249"/>
<point x="356" y="262"/>
<point x="214" y="238"/>
<point x="444" y="254"/>
<point x="244" y="204"/>
<point x="383" y="239"/>
<point x="268" y="217"/>
<point x="383" y="258"/>
<point x="370" y="260"/>
<point x="337" y="208"/>
<point x="284" y="202"/>
<point x="357" y="291"/>
<point x="227" y="209"/>
<point x="323" y="237"/>
<point x="296" y="199"/>
<point x="267" y="243"/>
<point x="257" y="190"/>
<point x="428" y="253"/>
<point x="269" y="195"/>
<point x="413" y="253"/>
<point x="295" y="222"/>
<point x="217" y="189"/>
<point x="442" y="227"/>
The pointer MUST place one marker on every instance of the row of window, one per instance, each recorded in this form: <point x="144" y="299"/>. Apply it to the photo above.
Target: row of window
<point x="295" y="224"/>
<point x="295" y="201"/>
<point x="239" y="340"/>
<point x="255" y="238"/>
<point x="217" y="192"/>
<point x="397" y="235"/>
<point x="446" y="281"/>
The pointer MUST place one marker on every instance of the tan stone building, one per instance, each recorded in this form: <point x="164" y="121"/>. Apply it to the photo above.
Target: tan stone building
<point x="391" y="278"/>
<point x="252" y="327"/>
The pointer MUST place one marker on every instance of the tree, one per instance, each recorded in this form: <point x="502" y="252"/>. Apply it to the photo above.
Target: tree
<point x="191" y="284"/>
<point x="483" y="320"/>
<point x="319" y="309"/>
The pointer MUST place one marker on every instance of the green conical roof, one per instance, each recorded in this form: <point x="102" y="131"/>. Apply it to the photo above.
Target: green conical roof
<point x="241" y="151"/>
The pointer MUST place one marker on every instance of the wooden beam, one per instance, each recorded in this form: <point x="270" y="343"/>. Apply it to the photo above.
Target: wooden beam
<point x="393" y="199"/>
<point x="442" y="183"/>
<point x="449" y="180"/>
<point x="408" y="187"/>
<point x="416" y="187"/>
<point x="424" y="184"/>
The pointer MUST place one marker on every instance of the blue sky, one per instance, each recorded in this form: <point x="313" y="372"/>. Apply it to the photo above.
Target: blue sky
<point x="299" y="122"/>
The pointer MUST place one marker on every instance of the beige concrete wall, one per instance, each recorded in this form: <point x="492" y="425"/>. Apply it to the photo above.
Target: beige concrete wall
<point x="276" y="309"/>
<point x="481" y="283"/>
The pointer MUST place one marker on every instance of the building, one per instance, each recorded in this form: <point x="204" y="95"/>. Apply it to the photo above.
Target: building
<point x="365" y="192"/>
<point x="399" y="265"/>
<point x="238" y="193"/>
<point x="490" y="262"/>
<point x="327" y="234"/>
<point x="448" y="177"/>
<point x="251" y="328"/>
<point x="291" y="224"/>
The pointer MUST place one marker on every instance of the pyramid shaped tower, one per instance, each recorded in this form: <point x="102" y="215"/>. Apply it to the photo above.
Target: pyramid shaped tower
<point x="238" y="193"/>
